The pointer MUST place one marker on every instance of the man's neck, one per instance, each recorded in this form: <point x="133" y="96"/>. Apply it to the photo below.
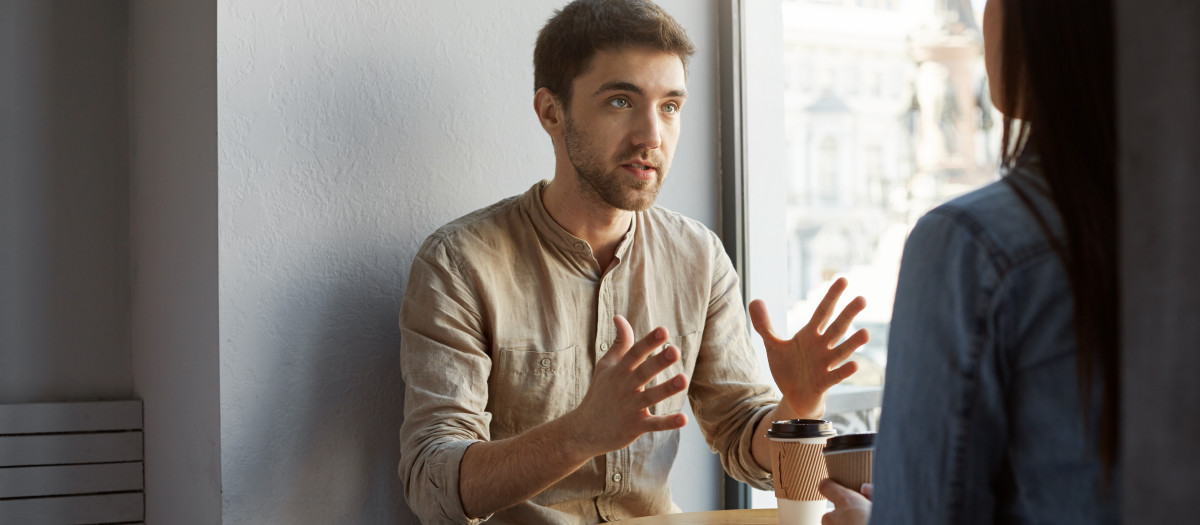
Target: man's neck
<point x="597" y="222"/>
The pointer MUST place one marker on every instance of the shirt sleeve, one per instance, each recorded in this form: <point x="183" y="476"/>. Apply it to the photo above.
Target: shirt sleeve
<point x="727" y="393"/>
<point x="942" y="434"/>
<point x="445" y="367"/>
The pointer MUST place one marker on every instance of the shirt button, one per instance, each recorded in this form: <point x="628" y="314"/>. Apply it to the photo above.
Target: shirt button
<point x="603" y="347"/>
<point x="545" y="362"/>
<point x="617" y="477"/>
<point x="579" y="246"/>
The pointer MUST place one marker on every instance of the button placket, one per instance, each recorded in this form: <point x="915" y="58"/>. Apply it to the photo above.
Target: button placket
<point x="614" y="463"/>
<point x="604" y="319"/>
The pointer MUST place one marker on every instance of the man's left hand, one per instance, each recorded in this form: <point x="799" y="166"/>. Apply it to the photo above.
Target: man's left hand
<point x="804" y="366"/>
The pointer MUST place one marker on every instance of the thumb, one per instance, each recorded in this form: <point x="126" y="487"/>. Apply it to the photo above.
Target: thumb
<point x="833" y="491"/>
<point x="624" y="339"/>
<point x="761" y="320"/>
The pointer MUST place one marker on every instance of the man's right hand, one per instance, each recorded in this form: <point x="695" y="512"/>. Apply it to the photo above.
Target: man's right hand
<point x="615" y="410"/>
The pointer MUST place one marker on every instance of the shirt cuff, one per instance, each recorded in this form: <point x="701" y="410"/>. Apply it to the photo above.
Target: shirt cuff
<point x="449" y="498"/>
<point x="752" y="474"/>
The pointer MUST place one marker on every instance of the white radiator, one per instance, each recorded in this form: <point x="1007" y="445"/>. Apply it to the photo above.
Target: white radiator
<point x="71" y="463"/>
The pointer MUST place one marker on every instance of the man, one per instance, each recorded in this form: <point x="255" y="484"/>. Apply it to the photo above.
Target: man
<point x="528" y="397"/>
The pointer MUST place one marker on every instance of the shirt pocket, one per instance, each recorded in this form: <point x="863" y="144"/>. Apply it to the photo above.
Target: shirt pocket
<point x="687" y="345"/>
<point x="530" y="387"/>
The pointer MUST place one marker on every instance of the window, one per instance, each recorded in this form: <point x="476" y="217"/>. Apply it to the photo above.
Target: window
<point x="888" y="118"/>
<point x="827" y="170"/>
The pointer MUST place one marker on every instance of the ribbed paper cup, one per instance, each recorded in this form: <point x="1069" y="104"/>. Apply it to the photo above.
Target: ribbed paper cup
<point x="798" y="467"/>
<point x="848" y="459"/>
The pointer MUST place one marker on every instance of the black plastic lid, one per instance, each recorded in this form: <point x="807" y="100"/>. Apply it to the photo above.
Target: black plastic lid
<point x="850" y="442"/>
<point x="800" y="428"/>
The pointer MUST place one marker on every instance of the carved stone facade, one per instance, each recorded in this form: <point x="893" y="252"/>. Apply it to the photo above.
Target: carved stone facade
<point x="887" y="115"/>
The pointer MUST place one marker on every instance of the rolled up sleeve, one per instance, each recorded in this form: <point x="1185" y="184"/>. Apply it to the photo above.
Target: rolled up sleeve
<point x="445" y="368"/>
<point x="728" y="393"/>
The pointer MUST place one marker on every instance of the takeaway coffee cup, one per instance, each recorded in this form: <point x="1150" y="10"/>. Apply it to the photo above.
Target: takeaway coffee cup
<point x="796" y="446"/>
<point x="848" y="459"/>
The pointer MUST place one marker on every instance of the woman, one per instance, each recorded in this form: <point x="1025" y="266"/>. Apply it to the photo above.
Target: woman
<point x="1001" y="404"/>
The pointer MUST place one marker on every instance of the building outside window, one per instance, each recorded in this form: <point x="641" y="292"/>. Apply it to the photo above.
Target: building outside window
<point x="886" y="116"/>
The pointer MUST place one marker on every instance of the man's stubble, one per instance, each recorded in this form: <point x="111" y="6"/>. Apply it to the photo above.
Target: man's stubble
<point x="611" y="187"/>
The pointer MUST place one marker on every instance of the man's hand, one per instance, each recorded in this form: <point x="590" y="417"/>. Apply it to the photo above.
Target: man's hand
<point x="849" y="507"/>
<point x="803" y="366"/>
<point x="615" y="410"/>
<point x="495" y="475"/>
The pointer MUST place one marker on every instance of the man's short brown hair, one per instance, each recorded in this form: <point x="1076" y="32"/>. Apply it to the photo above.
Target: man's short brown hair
<point x="567" y="42"/>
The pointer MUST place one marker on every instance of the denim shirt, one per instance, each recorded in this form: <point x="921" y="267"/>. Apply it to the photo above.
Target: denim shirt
<point x="982" y="420"/>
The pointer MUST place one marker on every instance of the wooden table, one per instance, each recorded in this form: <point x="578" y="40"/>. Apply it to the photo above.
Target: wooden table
<point x="714" y="517"/>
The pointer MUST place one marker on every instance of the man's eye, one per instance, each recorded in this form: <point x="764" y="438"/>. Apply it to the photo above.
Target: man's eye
<point x="671" y="108"/>
<point x="619" y="103"/>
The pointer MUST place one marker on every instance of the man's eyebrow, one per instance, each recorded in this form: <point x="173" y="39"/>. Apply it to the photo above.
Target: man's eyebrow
<point x="621" y="85"/>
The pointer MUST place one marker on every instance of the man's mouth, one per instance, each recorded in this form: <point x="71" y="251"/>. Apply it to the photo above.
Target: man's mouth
<point x="642" y="171"/>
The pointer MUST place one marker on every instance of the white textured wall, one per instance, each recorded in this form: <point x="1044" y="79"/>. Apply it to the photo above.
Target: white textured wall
<point x="349" y="131"/>
<point x="64" y="205"/>
<point x="173" y="191"/>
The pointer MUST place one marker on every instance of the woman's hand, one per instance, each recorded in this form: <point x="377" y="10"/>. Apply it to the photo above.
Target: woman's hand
<point x="849" y="507"/>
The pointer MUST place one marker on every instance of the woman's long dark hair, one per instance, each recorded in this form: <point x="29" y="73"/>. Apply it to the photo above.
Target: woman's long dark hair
<point x="1058" y="72"/>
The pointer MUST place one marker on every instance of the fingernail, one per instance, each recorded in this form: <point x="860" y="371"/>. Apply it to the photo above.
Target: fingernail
<point x="678" y="382"/>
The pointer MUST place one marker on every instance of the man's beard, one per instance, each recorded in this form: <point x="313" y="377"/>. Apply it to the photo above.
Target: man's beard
<point x="611" y="187"/>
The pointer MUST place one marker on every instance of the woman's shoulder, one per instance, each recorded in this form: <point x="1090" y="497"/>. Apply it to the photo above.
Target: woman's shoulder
<point x="1012" y="219"/>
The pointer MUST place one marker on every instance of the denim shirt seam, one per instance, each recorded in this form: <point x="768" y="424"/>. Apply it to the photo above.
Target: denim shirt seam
<point x="970" y="395"/>
<point x="1004" y="263"/>
<point x="1001" y="262"/>
<point x="978" y="233"/>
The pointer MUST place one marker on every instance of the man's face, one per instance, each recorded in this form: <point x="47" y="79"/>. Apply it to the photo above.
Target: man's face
<point x="622" y="125"/>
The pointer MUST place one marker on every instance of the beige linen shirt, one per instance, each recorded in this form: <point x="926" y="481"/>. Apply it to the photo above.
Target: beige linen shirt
<point x="504" y="317"/>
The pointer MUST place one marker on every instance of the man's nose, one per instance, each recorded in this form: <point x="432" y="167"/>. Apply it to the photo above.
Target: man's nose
<point x="648" y="133"/>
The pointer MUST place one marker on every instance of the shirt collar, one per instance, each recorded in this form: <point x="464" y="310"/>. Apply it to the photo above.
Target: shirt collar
<point x="550" y="230"/>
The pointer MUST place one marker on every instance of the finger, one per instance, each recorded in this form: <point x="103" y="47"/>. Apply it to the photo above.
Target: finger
<point x="842" y="323"/>
<point x="834" y="492"/>
<point x="668" y="422"/>
<point x="658" y="393"/>
<point x="621" y="343"/>
<point x="841" y="373"/>
<point x="650" y="368"/>
<point x="642" y="349"/>
<point x="825" y="309"/>
<point x="868" y="490"/>
<point x="761" y="320"/>
<point x="843" y="351"/>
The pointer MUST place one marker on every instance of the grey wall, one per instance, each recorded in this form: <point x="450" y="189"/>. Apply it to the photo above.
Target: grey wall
<point x="64" y="219"/>
<point x="1159" y="76"/>
<point x="173" y="56"/>
<point x="348" y="133"/>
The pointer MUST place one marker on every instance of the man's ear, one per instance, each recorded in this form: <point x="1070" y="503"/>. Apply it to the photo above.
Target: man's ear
<point x="550" y="111"/>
